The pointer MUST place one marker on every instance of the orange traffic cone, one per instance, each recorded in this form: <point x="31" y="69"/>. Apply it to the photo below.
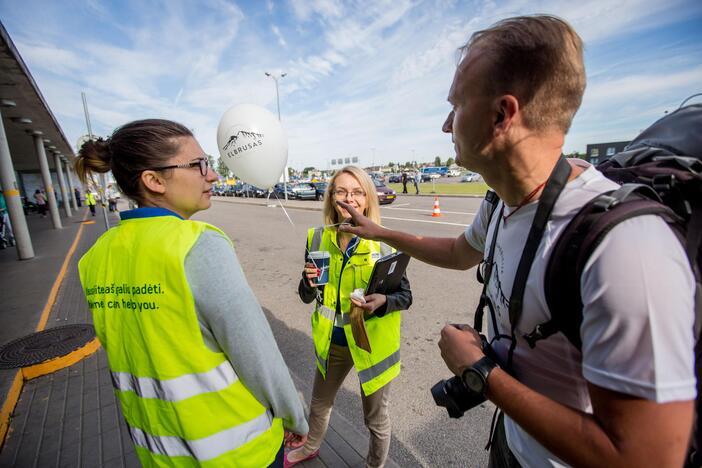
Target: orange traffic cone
<point x="437" y="210"/>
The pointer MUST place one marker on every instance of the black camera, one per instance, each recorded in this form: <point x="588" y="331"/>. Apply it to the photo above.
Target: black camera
<point x="453" y="394"/>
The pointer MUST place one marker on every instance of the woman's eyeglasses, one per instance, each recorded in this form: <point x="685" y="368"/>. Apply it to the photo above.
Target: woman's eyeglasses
<point x="202" y="162"/>
<point x="342" y="194"/>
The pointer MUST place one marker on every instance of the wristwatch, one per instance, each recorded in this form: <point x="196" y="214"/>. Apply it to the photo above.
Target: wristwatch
<point x="475" y="377"/>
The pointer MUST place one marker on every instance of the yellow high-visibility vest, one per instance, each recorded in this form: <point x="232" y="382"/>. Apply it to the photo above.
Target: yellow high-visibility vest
<point x="89" y="199"/>
<point x="183" y="403"/>
<point x="382" y="364"/>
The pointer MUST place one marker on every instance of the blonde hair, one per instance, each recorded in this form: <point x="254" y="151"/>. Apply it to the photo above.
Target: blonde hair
<point x="372" y="212"/>
<point x="538" y="59"/>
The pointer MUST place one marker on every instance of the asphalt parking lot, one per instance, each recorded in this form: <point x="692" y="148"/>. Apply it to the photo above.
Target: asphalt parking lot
<point x="270" y="247"/>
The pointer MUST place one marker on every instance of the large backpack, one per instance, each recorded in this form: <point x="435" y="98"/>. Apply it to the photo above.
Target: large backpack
<point x="661" y="173"/>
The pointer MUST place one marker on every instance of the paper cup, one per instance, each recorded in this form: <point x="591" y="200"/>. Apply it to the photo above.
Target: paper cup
<point x="321" y="258"/>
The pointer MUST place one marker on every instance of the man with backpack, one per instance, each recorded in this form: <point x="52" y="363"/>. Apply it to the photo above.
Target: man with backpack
<point x="620" y="390"/>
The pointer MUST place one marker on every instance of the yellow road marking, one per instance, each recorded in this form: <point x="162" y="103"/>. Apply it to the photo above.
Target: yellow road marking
<point x="9" y="406"/>
<point x="52" y="365"/>
<point x="59" y="279"/>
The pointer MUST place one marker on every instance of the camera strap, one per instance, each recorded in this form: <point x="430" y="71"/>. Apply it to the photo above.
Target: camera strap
<point x="554" y="186"/>
<point x="552" y="190"/>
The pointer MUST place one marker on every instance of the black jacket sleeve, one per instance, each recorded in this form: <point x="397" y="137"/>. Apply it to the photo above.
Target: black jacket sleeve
<point x="398" y="300"/>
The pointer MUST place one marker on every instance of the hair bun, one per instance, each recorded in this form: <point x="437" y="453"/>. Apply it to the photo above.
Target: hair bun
<point x="94" y="156"/>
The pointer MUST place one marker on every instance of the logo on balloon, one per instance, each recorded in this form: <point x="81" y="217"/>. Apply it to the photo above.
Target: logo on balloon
<point x="256" y="137"/>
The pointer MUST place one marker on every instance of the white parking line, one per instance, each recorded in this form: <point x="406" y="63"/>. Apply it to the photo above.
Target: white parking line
<point x="428" y="211"/>
<point x="424" y="221"/>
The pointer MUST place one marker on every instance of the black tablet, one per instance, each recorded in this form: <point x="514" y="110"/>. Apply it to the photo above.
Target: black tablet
<point x="387" y="273"/>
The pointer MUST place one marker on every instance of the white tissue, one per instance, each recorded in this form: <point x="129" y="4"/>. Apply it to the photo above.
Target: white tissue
<point x="358" y="295"/>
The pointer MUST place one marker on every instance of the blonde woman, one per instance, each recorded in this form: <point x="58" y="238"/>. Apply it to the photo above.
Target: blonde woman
<point x="351" y="264"/>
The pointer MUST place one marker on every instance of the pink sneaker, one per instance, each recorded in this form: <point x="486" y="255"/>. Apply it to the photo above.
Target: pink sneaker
<point x="287" y="463"/>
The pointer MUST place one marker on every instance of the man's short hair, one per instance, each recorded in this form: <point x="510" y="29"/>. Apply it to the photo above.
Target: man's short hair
<point x="539" y="60"/>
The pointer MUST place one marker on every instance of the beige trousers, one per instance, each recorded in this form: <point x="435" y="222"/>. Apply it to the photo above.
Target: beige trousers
<point x="375" y="408"/>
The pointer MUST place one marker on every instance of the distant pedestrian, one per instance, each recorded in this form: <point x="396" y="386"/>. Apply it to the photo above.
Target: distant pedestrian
<point x="404" y="182"/>
<point x="111" y="195"/>
<point x="417" y="180"/>
<point x="76" y="192"/>
<point x="40" y="200"/>
<point x="90" y="201"/>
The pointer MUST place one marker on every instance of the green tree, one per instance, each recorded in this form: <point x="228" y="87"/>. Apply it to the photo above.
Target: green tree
<point x="450" y="162"/>
<point x="308" y="169"/>
<point x="221" y="168"/>
<point x="437" y="161"/>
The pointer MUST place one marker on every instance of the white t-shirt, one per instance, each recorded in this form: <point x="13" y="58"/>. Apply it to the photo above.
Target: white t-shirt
<point x="638" y="315"/>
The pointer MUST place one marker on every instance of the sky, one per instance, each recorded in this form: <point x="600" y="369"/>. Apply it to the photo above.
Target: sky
<point x="363" y="78"/>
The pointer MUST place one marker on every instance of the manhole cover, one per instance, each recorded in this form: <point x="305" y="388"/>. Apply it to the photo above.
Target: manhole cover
<point x="42" y="346"/>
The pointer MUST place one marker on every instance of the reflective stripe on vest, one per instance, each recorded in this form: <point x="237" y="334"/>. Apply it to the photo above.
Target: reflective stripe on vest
<point x="342" y="319"/>
<point x="206" y="448"/>
<point x="179" y="388"/>
<point x="369" y="374"/>
<point x="316" y="239"/>
<point x="326" y="312"/>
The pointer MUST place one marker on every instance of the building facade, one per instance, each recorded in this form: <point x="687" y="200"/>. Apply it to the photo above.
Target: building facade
<point x="599" y="152"/>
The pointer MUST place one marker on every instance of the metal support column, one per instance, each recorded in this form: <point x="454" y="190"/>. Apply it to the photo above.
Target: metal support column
<point x="62" y="185"/>
<point x="71" y="191"/>
<point x="46" y="178"/>
<point x="15" y="211"/>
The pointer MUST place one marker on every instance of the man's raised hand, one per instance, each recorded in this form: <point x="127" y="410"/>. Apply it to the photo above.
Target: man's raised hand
<point x="359" y="225"/>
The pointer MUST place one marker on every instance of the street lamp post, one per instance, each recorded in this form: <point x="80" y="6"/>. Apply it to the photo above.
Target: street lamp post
<point x="277" y="100"/>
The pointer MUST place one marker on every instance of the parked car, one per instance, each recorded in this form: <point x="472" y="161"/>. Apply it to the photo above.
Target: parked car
<point x="395" y="178"/>
<point x="250" y="191"/>
<point x="386" y="195"/>
<point x="427" y="177"/>
<point x="304" y="191"/>
<point x="471" y="177"/>
<point x="218" y="190"/>
<point x="377" y="176"/>
<point x="453" y="173"/>
<point x="279" y="192"/>
<point x="320" y="188"/>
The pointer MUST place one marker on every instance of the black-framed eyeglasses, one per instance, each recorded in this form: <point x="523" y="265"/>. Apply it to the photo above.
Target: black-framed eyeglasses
<point x="201" y="162"/>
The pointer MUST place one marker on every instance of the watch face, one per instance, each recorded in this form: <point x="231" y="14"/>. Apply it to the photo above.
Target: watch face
<point x="473" y="381"/>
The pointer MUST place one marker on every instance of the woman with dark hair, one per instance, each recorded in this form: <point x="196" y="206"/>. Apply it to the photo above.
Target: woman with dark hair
<point x="194" y="363"/>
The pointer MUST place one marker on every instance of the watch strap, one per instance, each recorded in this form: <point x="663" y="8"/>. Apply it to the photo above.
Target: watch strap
<point x="483" y="367"/>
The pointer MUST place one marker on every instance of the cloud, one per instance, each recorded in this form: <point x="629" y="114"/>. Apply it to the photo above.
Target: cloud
<point x="360" y="74"/>
<point x="281" y="39"/>
<point x="304" y="10"/>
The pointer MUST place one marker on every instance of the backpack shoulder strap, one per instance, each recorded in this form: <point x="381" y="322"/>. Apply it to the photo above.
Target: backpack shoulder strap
<point x="576" y="244"/>
<point x="493" y="199"/>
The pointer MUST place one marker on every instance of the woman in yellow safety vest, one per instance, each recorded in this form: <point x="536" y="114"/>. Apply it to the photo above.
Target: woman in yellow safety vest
<point x="336" y="351"/>
<point x="90" y="201"/>
<point x="197" y="372"/>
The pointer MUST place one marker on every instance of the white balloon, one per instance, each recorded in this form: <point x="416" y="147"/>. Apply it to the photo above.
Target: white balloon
<point x="253" y="144"/>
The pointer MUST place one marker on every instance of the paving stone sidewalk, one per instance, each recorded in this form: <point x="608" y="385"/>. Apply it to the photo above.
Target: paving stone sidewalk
<point x="71" y="418"/>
